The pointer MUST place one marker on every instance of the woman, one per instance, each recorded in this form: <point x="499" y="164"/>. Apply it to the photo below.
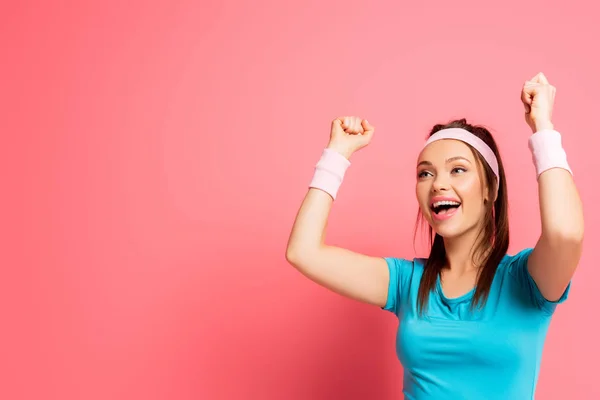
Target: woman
<point x="473" y="319"/>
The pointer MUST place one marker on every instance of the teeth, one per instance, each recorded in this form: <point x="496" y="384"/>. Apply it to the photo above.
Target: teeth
<point x="445" y="203"/>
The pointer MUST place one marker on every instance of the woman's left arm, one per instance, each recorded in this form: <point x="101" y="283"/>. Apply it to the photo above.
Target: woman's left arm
<point x="558" y="250"/>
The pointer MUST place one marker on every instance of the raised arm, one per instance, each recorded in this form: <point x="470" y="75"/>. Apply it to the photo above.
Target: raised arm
<point x="558" y="250"/>
<point x="357" y="276"/>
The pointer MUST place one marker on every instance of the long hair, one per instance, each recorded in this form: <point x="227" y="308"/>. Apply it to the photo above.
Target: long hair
<point x="492" y="241"/>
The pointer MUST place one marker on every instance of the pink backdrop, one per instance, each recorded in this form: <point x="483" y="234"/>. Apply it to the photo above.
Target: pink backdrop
<point x="155" y="154"/>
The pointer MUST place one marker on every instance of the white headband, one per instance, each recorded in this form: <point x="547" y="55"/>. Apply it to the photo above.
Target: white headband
<point x="469" y="138"/>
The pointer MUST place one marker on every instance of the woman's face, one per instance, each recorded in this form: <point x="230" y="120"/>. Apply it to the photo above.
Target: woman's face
<point x="449" y="188"/>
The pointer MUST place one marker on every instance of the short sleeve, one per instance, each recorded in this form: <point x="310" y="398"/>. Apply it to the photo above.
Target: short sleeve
<point x="518" y="269"/>
<point x="398" y="269"/>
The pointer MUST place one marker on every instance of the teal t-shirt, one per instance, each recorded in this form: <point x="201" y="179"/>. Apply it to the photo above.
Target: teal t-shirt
<point x="454" y="353"/>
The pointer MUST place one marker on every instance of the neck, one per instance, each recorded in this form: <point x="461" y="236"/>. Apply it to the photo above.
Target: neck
<point x="460" y="252"/>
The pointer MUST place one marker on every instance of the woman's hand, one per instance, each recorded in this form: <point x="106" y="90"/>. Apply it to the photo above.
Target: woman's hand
<point x="349" y="134"/>
<point x="538" y="98"/>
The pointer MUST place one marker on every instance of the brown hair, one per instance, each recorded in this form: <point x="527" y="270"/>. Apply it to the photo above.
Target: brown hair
<point x="493" y="239"/>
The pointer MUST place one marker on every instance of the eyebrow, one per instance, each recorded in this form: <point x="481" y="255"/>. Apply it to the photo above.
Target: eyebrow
<point x="447" y="161"/>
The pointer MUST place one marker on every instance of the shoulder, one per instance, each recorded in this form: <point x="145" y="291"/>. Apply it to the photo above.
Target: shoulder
<point x="515" y="264"/>
<point x="404" y="266"/>
<point x="405" y="271"/>
<point x="402" y="272"/>
<point x="518" y="257"/>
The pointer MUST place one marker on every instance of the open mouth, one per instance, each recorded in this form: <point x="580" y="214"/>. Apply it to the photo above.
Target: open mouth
<point x="445" y="207"/>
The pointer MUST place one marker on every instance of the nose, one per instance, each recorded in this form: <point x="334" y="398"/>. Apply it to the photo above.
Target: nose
<point x="440" y="183"/>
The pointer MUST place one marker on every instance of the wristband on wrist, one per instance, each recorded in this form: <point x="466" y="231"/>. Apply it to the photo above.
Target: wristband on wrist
<point x="547" y="151"/>
<point x="329" y="172"/>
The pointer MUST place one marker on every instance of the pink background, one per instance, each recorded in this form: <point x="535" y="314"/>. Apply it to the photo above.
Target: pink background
<point x="155" y="153"/>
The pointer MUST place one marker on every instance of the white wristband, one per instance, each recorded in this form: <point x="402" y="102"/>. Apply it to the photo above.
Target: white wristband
<point x="547" y="151"/>
<point x="329" y="172"/>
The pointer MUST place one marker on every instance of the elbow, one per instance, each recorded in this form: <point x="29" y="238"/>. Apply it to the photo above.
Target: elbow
<point x="570" y="237"/>
<point x="568" y="234"/>
<point x="292" y="256"/>
<point x="298" y="257"/>
<point x="577" y="236"/>
<point x="573" y="235"/>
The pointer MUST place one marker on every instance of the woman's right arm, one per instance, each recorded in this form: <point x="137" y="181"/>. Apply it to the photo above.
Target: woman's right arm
<point x="357" y="276"/>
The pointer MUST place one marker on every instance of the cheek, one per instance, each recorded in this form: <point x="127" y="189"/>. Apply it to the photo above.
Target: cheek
<point x="469" y="188"/>
<point x="422" y="192"/>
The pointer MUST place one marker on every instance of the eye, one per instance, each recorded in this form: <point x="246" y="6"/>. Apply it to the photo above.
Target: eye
<point x="423" y="174"/>
<point x="459" y="170"/>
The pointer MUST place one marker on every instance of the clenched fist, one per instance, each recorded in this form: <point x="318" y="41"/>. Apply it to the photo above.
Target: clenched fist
<point x="537" y="96"/>
<point x="349" y="134"/>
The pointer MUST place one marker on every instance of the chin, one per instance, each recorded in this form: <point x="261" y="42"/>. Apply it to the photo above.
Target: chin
<point x="452" y="231"/>
<point x="447" y="229"/>
<point x="448" y="233"/>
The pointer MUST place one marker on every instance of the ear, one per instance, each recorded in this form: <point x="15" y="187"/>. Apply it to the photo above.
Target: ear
<point x="486" y="196"/>
<point x="495" y="192"/>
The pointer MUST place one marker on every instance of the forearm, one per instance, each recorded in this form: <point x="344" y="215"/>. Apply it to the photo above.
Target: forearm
<point x="561" y="210"/>
<point x="308" y="232"/>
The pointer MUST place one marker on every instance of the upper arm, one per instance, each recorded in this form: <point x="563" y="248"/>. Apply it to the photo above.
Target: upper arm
<point x="354" y="275"/>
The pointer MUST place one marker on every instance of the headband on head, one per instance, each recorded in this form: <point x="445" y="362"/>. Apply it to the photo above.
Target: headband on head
<point x="469" y="138"/>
